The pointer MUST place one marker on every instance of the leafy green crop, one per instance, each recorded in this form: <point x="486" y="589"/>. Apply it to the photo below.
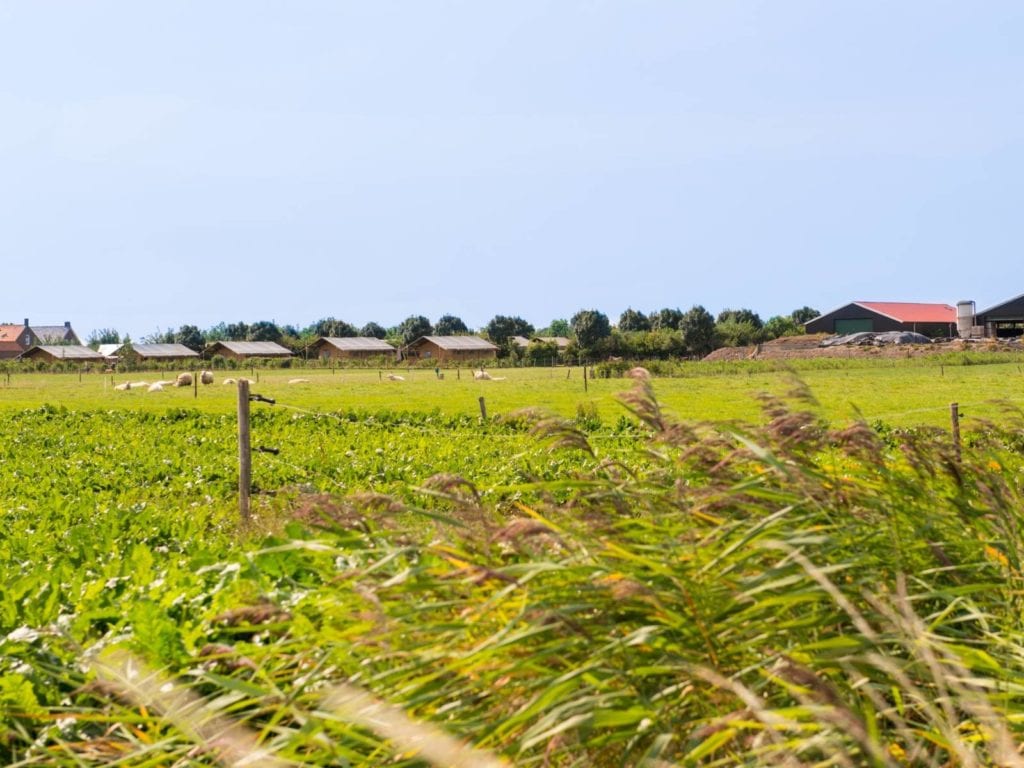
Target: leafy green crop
<point x="658" y="593"/>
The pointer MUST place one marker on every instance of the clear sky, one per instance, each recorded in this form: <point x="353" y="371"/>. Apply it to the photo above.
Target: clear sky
<point x="174" y="162"/>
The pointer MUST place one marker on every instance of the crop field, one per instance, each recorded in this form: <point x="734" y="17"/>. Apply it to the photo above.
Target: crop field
<point x="734" y="565"/>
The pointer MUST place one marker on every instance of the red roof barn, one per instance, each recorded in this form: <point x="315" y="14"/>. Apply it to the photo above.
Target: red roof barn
<point x="878" y="316"/>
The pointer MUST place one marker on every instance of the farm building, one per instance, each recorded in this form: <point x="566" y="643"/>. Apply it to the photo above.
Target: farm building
<point x="15" y="339"/>
<point x="559" y="341"/>
<point x="350" y="348"/>
<point x="1003" y="320"/>
<point x="244" y="350"/>
<point x="70" y="353"/>
<point x="450" y="349"/>
<point x="155" y="353"/>
<point x="879" y="316"/>
<point x="54" y="334"/>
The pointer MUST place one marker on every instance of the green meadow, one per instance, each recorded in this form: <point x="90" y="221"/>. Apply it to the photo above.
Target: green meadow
<point x="899" y="392"/>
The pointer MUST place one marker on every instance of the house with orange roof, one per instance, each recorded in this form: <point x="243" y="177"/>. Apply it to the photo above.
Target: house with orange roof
<point x="879" y="316"/>
<point x="15" y="339"/>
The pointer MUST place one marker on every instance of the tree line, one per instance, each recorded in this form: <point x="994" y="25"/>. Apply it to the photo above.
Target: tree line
<point x="662" y="334"/>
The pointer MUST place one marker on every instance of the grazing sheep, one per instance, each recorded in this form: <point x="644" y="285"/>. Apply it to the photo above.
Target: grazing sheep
<point x="206" y="377"/>
<point x="298" y="381"/>
<point x="393" y="377"/>
<point x="183" y="380"/>
<point x="124" y="387"/>
<point x="156" y="387"/>
<point x="229" y="381"/>
<point x="138" y="384"/>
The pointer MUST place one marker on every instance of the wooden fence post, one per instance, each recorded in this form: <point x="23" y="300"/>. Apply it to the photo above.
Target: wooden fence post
<point x="244" y="450"/>
<point x="483" y="409"/>
<point x="585" y="385"/>
<point x="954" y="416"/>
<point x="195" y="385"/>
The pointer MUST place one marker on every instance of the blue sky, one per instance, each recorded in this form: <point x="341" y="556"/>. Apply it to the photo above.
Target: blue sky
<point x="164" y="163"/>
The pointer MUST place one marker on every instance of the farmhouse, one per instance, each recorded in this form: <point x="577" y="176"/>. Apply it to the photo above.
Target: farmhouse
<point x="155" y="353"/>
<point x="350" y="348"/>
<point x="70" y="353"/>
<point x="450" y="349"/>
<point x="1003" y="320"/>
<point x="244" y="350"/>
<point x="879" y="316"/>
<point x="15" y="339"/>
<point x="54" y="334"/>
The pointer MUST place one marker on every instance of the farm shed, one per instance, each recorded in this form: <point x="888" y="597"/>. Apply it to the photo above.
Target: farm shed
<point x="15" y="339"/>
<point x="559" y="341"/>
<point x="70" y="353"/>
<point x="450" y="349"/>
<point x="156" y="353"/>
<point x="1003" y="320"/>
<point x="878" y="316"/>
<point x="244" y="350"/>
<point x="350" y="348"/>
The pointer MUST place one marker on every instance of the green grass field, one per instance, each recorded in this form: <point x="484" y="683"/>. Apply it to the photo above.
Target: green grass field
<point x="901" y="393"/>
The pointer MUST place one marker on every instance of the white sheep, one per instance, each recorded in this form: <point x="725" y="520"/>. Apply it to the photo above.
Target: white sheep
<point x="124" y="387"/>
<point x="483" y="375"/>
<point x="206" y="377"/>
<point x="183" y="380"/>
<point x="394" y="377"/>
<point x="155" y="387"/>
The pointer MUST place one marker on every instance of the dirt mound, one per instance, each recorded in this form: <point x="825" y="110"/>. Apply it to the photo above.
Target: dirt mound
<point x="804" y="347"/>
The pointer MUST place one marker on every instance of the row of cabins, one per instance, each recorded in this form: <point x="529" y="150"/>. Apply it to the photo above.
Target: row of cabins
<point x="441" y="349"/>
<point x="936" y="320"/>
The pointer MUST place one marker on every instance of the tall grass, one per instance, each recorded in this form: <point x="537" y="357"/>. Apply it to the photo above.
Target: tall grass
<point x="776" y="594"/>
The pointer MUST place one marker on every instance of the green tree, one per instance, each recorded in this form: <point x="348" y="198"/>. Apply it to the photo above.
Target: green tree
<point x="666" y="319"/>
<point x="103" y="336"/>
<point x="631" y="320"/>
<point x="590" y="327"/>
<point x="236" y="331"/>
<point x="264" y="330"/>
<point x="741" y="316"/>
<point x="332" y="328"/>
<point x="804" y="314"/>
<point x="218" y="332"/>
<point x="191" y="337"/>
<point x="373" y="330"/>
<point x="778" y="326"/>
<point x="736" y="333"/>
<point x="557" y="327"/>
<point x="698" y="327"/>
<point x="413" y="327"/>
<point x="502" y="328"/>
<point x="159" y="337"/>
<point x="450" y="325"/>
<point x="542" y="351"/>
